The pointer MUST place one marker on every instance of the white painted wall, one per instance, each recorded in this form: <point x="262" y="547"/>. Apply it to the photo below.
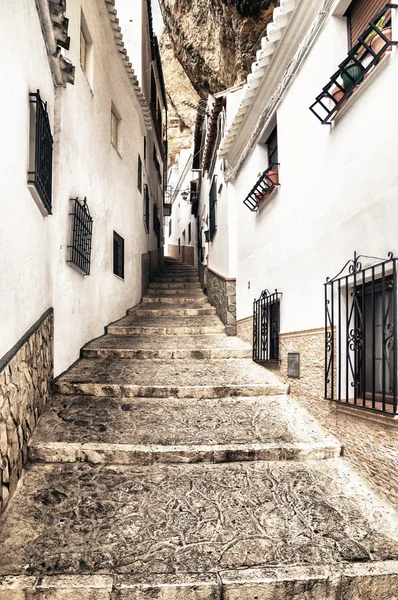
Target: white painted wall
<point x="338" y="189"/>
<point x="25" y="236"/>
<point x="33" y="248"/>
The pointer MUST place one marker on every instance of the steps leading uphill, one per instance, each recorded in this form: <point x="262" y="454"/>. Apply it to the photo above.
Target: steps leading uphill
<point x="170" y="466"/>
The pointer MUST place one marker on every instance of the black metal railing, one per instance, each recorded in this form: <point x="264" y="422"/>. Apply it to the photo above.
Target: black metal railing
<point x="40" y="173"/>
<point x="361" y="59"/>
<point x="82" y="235"/>
<point x="361" y="334"/>
<point x="268" y="181"/>
<point x="212" y="207"/>
<point x="266" y="324"/>
<point x="146" y="214"/>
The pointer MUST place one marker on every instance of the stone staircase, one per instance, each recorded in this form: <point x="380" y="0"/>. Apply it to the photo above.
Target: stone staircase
<point x="170" y="466"/>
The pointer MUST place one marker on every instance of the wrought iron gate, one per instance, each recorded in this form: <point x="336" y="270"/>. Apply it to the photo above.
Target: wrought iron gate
<point x="361" y="334"/>
<point x="266" y="321"/>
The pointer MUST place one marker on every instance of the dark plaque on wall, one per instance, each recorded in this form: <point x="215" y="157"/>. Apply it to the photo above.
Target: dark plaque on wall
<point x="293" y="365"/>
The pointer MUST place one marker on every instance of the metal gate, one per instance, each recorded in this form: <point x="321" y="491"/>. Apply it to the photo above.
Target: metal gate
<point x="361" y="334"/>
<point x="266" y="322"/>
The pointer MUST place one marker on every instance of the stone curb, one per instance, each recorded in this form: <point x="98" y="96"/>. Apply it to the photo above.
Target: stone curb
<point x="370" y="581"/>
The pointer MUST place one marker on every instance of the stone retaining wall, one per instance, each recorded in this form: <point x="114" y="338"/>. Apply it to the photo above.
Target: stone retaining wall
<point x="222" y="294"/>
<point x="244" y="329"/>
<point x="26" y="374"/>
<point x="370" y="440"/>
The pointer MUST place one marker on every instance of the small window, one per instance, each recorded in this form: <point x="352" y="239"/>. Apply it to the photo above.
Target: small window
<point x="115" y="128"/>
<point x="40" y="153"/>
<point x="139" y="174"/>
<point x="118" y="255"/>
<point x="81" y="236"/>
<point x="86" y="48"/>
<point x="359" y="14"/>
<point x="179" y="246"/>
<point x="272" y="147"/>
<point x="144" y="147"/>
<point x="183" y="236"/>
<point x="170" y="227"/>
<point x="146" y="208"/>
<point x="189" y="233"/>
<point x="212" y="206"/>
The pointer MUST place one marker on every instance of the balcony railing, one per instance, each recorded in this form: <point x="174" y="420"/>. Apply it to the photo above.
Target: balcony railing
<point x="82" y="234"/>
<point x="361" y="59"/>
<point x="40" y="170"/>
<point x="268" y="181"/>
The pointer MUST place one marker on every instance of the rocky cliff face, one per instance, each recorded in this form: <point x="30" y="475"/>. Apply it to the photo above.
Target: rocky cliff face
<point x="182" y="100"/>
<point x="215" y="40"/>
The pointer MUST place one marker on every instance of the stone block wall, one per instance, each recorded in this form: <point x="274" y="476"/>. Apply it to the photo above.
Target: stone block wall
<point x="222" y="294"/>
<point x="202" y="272"/>
<point x="244" y="329"/>
<point x="26" y="375"/>
<point x="370" y="440"/>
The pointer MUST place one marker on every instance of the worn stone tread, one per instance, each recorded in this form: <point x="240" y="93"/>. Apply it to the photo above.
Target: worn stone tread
<point x="168" y="347"/>
<point x="147" y="430"/>
<point x="80" y="519"/>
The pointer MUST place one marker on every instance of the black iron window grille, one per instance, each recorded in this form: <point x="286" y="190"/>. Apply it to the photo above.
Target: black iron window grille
<point x="41" y="150"/>
<point x="156" y="223"/>
<point x="374" y="42"/>
<point x="82" y="236"/>
<point x="266" y="324"/>
<point x="268" y="181"/>
<point x="212" y="207"/>
<point x="147" y="209"/>
<point x="118" y="255"/>
<point x="189" y="233"/>
<point x="139" y="174"/>
<point x="361" y="335"/>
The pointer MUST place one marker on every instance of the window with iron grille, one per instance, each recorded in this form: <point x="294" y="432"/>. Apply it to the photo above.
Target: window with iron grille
<point x="146" y="209"/>
<point x="361" y="334"/>
<point x="266" y="324"/>
<point x="118" y="255"/>
<point x="156" y="223"/>
<point x="40" y="152"/>
<point x="81" y="236"/>
<point x="189" y="233"/>
<point x="139" y="174"/>
<point x="212" y="206"/>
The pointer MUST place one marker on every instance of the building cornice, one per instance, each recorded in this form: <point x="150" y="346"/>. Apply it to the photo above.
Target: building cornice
<point x="118" y="37"/>
<point x="283" y="51"/>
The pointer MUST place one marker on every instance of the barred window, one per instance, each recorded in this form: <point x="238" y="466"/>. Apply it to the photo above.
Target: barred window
<point x="118" y="255"/>
<point x="212" y="206"/>
<point x="40" y="153"/>
<point x="81" y="236"/>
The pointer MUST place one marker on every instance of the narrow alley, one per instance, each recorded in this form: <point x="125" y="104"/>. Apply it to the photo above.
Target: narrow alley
<point x="169" y="465"/>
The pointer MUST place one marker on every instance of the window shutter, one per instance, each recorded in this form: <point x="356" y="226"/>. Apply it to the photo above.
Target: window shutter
<point x="359" y="14"/>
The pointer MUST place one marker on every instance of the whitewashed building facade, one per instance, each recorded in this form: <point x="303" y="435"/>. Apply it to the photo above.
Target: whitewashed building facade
<point x="306" y="206"/>
<point x="77" y="154"/>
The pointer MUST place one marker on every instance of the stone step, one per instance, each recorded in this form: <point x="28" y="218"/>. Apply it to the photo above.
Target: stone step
<point x="180" y="292"/>
<point x="172" y="299"/>
<point x="164" y="379"/>
<point x="182" y="285"/>
<point x="173" y="310"/>
<point x="144" y="431"/>
<point x="168" y="347"/>
<point x="178" y="277"/>
<point x="303" y="530"/>
<point x="136" y="325"/>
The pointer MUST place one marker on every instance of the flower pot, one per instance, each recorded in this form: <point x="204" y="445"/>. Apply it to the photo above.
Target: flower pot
<point x="273" y="175"/>
<point x="377" y="43"/>
<point x="350" y="75"/>
<point x="337" y="94"/>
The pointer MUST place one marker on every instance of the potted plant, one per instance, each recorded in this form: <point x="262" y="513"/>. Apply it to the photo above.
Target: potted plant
<point x="350" y="74"/>
<point x="377" y="43"/>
